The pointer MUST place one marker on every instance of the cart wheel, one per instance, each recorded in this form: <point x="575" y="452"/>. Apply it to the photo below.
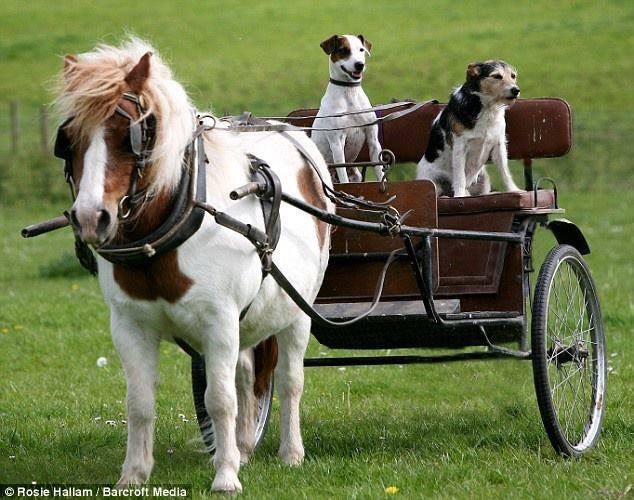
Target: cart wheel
<point x="568" y="347"/>
<point x="199" y="384"/>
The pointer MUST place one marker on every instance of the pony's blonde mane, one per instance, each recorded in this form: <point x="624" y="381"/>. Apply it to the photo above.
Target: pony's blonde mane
<point x="91" y="85"/>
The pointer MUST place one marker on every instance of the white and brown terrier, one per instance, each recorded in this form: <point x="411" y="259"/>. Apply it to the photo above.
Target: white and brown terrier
<point x="469" y="131"/>
<point x="344" y="93"/>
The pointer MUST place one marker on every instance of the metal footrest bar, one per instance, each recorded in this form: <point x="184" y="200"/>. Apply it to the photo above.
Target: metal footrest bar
<point x="403" y="360"/>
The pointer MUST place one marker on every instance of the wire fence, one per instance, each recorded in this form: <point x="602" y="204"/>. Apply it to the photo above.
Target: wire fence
<point x="600" y="159"/>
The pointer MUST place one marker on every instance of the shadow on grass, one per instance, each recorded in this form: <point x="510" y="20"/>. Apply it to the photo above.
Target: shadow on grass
<point x="425" y="434"/>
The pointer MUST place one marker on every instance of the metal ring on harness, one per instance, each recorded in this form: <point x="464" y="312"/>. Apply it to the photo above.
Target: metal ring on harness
<point x="124" y="213"/>
<point x="202" y="123"/>
<point x="388" y="159"/>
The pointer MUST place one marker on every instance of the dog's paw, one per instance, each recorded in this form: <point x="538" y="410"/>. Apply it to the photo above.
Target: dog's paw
<point x="512" y="188"/>
<point x="226" y="482"/>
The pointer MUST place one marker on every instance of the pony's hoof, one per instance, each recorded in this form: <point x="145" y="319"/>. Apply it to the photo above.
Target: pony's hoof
<point x="133" y="476"/>
<point x="226" y="482"/>
<point x="125" y="482"/>
<point x="292" y="457"/>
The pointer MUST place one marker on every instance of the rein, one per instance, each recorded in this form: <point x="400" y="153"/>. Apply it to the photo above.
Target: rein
<point x="249" y="123"/>
<point x="190" y="204"/>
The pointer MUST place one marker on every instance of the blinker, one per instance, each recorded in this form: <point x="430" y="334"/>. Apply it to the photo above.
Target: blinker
<point x="63" y="148"/>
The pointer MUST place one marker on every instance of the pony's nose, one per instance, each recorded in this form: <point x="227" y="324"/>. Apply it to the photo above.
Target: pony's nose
<point x="91" y="225"/>
<point x="103" y="222"/>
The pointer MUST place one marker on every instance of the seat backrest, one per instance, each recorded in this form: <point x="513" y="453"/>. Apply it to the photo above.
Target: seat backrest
<point x="536" y="128"/>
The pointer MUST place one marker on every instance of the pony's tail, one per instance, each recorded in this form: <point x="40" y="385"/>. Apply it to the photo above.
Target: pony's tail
<point x="265" y="354"/>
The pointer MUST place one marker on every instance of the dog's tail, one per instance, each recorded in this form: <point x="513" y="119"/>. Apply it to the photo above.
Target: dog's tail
<point x="265" y="354"/>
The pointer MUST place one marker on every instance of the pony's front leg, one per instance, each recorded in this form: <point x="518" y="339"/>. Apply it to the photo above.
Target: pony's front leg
<point x="247" y="405"/>
<point x="138" y="351"/>
<point x="221" y="357"/>
<point x="289" y="376"/>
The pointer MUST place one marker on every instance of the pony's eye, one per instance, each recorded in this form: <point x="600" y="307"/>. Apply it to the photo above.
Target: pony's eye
<point x="497" y="76"/>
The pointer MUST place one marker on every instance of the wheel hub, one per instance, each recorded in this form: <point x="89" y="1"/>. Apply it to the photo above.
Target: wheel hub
<point x="561" y="353"/>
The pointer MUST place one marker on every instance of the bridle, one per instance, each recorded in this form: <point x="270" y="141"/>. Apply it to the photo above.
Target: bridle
<point x="142" y="133"/>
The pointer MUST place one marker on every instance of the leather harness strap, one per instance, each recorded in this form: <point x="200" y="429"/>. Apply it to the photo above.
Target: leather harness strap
<point x="189" y="205"/>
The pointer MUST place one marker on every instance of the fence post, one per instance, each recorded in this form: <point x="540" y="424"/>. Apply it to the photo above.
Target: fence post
<point x="15" y="127"/>
<point x="44" y="132"/>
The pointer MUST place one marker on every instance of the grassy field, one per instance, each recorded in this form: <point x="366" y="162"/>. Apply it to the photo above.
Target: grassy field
<point x="265" y="57"/>
<point x="460" y="430"/>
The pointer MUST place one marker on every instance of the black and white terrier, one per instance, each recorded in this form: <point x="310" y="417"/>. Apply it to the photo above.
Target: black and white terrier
<point x="469" y="131"/>
<point x="344" y="93"/>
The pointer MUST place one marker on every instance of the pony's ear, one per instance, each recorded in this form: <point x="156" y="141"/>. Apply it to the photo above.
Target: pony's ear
<point x="329" y="45"/>
<point x="139" y="74"/>
<point x="366" y="43"/>
<point x="69" y="62"/>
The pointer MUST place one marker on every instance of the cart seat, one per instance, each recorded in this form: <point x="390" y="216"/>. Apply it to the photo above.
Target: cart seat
<point x="497" y="201"/>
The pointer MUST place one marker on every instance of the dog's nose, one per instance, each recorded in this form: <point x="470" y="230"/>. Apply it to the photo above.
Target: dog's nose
<point x="359" y="66"/>
<point x="515" y="91"/>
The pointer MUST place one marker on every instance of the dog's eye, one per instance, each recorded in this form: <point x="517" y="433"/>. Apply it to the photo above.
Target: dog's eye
<point x="497" y="77"/>
<point x="513" y="75"/>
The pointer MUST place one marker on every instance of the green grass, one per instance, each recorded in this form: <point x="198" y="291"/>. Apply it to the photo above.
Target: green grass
<point x="461" y="430"/>
<point x="265" y="57"/>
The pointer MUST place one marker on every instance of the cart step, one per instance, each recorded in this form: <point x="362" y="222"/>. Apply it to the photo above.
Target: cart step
<point x="404" y="324"/>
<point x="347" y="310"/>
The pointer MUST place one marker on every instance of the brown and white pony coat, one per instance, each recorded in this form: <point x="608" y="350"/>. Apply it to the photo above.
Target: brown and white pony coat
<point x="198" y="291"/>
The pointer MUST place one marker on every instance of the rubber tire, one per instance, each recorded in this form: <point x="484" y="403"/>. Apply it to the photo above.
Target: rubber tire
<point x="551" y="422"/>
<point x="199" y="385"/>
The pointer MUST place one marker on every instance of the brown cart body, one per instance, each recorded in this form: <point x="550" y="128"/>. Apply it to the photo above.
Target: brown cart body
<point x="471" y="279"/>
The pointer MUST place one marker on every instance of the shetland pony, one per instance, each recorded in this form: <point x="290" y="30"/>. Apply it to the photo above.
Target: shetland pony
<point x="198" y="291"/>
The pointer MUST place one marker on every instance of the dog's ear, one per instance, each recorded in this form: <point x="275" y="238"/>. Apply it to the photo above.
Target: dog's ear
<point x="473" y="71"/>
<point x="366" y="43"/>
<point x="330" y="45"/>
